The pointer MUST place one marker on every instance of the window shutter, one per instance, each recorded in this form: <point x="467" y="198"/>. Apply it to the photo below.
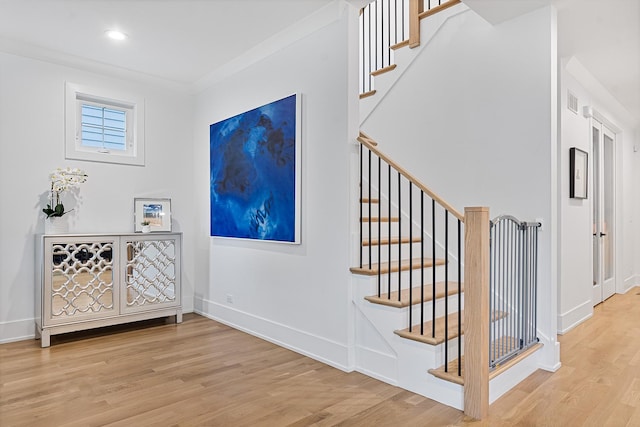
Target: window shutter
<point x="103" y="127"/>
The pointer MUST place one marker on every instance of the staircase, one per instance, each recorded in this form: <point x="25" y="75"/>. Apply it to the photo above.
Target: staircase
<point x="408" y="287"/>
<point x="409" y="292"/>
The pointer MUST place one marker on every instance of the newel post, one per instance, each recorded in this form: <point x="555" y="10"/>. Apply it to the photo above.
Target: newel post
<point x="476" y="312"/>
<point x="416" y="7"/>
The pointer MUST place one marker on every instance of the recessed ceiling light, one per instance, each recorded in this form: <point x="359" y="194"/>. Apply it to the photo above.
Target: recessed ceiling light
<point x="115" y="34"/>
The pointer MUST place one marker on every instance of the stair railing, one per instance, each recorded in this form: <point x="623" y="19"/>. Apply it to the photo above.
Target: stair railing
<point x="429" y="218"/>
<point x="383" y="23"/>
<point x="513" y="287"/>
<point x="386" y="25"/>
<point x="500" y="272"/>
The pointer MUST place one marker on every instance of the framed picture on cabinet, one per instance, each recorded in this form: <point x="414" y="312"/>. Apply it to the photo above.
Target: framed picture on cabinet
<point x="578" y="179"/>
<point x="152" y="213"/>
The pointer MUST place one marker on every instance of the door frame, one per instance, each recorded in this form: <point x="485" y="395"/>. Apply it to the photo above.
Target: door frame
<point x="603" y="288"/>
<point x="594" y="115"/>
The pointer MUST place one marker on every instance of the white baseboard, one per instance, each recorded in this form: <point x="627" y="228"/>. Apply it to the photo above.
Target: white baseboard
<point x="549" y="354"/>
<point x="375" y="364"/>
<point x="507" y="380"/>
<point x="316" y="347"/>
<point x="631" y="282"/>
<point x="575" y="316"/>
<point x="17" y="330"/>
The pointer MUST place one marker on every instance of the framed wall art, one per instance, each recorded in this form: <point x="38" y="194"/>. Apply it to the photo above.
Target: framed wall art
<point x="255" y="160"/>
<point x="578" y="179"/>
<point x="155" y="212"/>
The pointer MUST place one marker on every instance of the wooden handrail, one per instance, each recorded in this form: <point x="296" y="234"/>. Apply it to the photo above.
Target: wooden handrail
<point x="438" y="8"/>
<point x="367" y="138"/>
<point x="371" y="145"/>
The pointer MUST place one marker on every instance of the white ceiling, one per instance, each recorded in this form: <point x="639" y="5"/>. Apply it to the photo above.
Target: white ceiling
<point x="604" y="35"/>
<point x="178" y="40"/>
<point x="185" y="40"/>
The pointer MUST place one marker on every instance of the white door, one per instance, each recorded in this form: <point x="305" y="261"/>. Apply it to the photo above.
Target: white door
<point x="603" y="200"/>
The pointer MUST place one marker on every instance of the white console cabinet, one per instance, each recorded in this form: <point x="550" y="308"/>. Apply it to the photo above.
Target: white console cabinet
<point x="87" y="281"/>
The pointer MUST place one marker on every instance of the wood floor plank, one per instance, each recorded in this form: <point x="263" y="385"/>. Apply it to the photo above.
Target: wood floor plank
<point x="202" y="373"/>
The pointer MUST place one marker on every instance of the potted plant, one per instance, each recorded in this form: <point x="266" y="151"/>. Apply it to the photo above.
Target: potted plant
<point x="146" y="226"/>
<point x="61" y="181"/>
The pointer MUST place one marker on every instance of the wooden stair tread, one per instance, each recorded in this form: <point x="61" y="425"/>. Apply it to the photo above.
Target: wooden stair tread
<point x="426" y="338"/>
<point x="367" y="94"/>
<point x="368" y="200"/>
<point x="452" y="367"/>
<point x="393" y="301"/>
<point x="399" y="45"/>
<point x="395" y="266"/>
<point x="452" y="323"/>
<point x="451" y="374"/>
<point x="394" y="241"/>
<point x="380" y="219"/>
<point x="383" y="70"/>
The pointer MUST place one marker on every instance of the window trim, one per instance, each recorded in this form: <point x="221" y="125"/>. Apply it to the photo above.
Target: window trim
<point x="133" y="104"/>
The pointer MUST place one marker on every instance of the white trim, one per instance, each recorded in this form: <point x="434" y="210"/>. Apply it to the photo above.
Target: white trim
<point x="575" y="316"/>
<point x="17" y="330"/>
<point x="505" y="381"/>
<point x="310" y="345"/>
<point x="549" y="352"/>
<point x="631" y="282"/>
<point x="134" y="102"/>
<point x="376" y="364"/>
<point x="546" y="322"/>
<point x="590" y="112"/>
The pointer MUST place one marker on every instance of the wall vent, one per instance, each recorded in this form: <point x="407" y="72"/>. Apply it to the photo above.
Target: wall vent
<point x="572" y="102"/>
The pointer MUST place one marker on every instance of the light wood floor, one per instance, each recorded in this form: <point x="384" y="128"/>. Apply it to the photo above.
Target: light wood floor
<point x="202" y="373"/>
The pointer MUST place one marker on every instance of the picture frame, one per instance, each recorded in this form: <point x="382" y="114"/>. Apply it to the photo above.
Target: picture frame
<point x="255" y="173"/>
<point x="578" y="173"/>
<point x="157" y="211"/>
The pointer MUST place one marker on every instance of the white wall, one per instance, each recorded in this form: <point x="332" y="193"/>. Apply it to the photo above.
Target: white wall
<point x="32" y="145"/>
<point x="473" y="117"/>
<point x="576" y="259"/>
<point x="294" y="295"/>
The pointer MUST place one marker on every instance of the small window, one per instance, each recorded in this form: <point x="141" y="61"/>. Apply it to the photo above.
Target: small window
<point x="104" y="126"/>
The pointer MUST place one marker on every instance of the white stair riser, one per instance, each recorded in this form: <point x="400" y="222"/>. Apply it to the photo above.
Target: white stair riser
<point x="386" y="356"/>
<point x="428" y="309"/>
<point x="425" y="245"/>
<point x="366" y="288"/>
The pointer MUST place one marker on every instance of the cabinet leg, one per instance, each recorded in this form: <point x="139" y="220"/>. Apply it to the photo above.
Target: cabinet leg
<point x="45" y="338"/>
<point x="179" y="316"/>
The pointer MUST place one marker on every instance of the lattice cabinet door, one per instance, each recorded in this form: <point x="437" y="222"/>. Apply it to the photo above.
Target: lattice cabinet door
<point x="151" y="267"/>
<point x="79" y="279"/>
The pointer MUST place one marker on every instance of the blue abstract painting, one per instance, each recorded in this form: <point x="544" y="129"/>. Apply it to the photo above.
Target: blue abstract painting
<point x="254" y="176"/>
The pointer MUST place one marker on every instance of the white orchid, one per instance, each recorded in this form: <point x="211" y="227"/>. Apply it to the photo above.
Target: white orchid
<point x="61" y="181"/>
